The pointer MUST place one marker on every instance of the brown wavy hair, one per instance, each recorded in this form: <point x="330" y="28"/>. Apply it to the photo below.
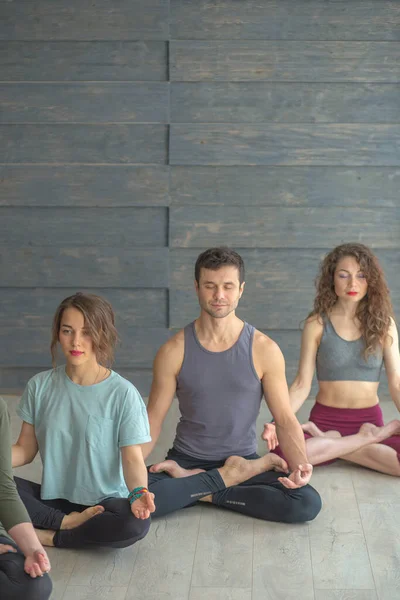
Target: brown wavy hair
<point x="374" y="310"/>
<point x="99" y="321"/>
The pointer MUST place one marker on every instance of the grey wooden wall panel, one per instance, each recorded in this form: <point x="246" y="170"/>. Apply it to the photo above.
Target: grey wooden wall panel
<point x="83" y="143"/>
<point x="256" y="102"/>
<point x="14" y="379"/>
<point x="284" y="144"/>
<point x="286" y="19"/>
<point x="84" y="102"/>
<point x="27" y="346"/>
<point x="285" y="133"/>
<point x="285" y="61"/>
<point x="375" y="187"/>
<point x="25" y="307"/>
<point x="89" y="185"/>
<point x="85" y="19"/>
<point x="58" y="227"/>
<point x="279" y="290"/>
<point x="83" y="61"/>
<point x="274" y="227"/>
<point x="84" y="266"/>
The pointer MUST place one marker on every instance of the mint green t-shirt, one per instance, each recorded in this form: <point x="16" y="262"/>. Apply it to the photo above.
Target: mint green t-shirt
<point x="80" y="430"/>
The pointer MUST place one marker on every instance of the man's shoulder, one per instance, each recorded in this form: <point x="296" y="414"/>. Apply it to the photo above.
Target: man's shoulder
<point x="170" y="355"/>
<point x="263" y="342"/>
<point x="175" y="343"/>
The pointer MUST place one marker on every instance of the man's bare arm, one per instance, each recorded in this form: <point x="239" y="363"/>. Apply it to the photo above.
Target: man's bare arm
<point x="166" y="367"/>
<point x="290" y="434"/>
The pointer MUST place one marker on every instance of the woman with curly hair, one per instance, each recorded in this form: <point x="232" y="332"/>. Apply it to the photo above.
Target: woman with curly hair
<point x="88" y="423"/>
<point x="348" y="336"/>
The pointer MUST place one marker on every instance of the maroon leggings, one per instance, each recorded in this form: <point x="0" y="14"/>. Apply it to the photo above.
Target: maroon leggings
<point x="347" y="421"/>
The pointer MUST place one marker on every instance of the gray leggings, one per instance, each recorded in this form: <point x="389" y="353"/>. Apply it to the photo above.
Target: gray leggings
<point x="15" y="584"/>
<point x="262" y="497"/>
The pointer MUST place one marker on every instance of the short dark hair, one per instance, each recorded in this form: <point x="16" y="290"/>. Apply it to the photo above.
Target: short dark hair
<point x="215" y="258"/>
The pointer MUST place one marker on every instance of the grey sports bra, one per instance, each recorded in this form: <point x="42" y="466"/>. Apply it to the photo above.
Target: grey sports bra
<point x="341" y="360"/>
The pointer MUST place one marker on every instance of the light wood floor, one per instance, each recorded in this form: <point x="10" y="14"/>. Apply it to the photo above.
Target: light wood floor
<point x="350" y="552"/>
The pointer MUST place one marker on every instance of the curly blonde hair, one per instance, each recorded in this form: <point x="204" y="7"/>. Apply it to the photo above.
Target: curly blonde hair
<point x="374" y="311"/>
<point x="99" y="321"/>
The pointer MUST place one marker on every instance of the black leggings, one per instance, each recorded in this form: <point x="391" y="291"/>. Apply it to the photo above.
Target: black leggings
<point x="116" y="527"/>
<point x="15" y="584"/>
<point x="262" y="496"/>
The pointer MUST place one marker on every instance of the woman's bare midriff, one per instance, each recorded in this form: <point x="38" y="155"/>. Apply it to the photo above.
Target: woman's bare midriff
<point x="348" y="394"/>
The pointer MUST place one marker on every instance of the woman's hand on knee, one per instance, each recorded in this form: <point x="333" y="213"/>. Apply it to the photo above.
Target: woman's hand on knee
<point x="143" y="506"/>
<point x="37" y="563"/>
<point x="4" y="548"/>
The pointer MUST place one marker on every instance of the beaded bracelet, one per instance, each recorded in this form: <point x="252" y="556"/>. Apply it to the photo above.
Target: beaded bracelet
<point x="136" y="493"/>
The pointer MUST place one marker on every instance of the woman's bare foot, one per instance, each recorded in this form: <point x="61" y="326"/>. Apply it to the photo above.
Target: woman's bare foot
<point x="237" y="469"/>
<point x="173" y="469"/>
<point x="369" y="430"/>
<point x="378" y="434"/>
<point x="74" y="519"/>
<point x="393" y="427"/>
<point x="312" y="429"/>
<point x="315" y="431"/>
<point x="46" y="536"/>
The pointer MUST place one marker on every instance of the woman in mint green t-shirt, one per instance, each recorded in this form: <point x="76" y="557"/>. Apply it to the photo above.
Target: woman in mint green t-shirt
<point x="88" y="423"/>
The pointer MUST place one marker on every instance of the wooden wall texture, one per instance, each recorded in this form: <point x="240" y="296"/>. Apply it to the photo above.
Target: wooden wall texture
<point x="134" y="134"/>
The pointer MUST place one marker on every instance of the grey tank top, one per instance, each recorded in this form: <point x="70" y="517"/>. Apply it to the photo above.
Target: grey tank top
<point x="219" y="396"/>
<point x="341" y="360"/>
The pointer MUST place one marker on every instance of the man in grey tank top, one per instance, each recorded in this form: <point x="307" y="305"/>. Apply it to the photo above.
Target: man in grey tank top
<point x="220" y="368"/>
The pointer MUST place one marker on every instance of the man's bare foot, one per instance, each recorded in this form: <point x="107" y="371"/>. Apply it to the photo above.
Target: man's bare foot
<point x="273" y="462"/>
<point x="315" y="431"/>
<point x="237" y="469"/>
<point x="74" y="519"/>
<point x="173" y="469"/>
<point x="46" y="536"/>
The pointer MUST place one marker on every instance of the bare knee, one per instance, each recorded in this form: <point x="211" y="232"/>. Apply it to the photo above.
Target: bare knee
<point x="396" y="472"/>
<point x="378" y="457"/>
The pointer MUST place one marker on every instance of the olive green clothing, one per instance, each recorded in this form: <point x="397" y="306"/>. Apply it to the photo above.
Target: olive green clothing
<point x="12" y="510"/>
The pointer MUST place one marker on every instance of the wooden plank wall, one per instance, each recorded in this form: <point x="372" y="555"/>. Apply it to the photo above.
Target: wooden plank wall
<point x="133" y="135"/>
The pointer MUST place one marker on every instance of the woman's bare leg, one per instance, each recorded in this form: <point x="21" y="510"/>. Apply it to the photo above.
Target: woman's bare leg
<point x="377" y="457"/>
<point x="322" y="448"/>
